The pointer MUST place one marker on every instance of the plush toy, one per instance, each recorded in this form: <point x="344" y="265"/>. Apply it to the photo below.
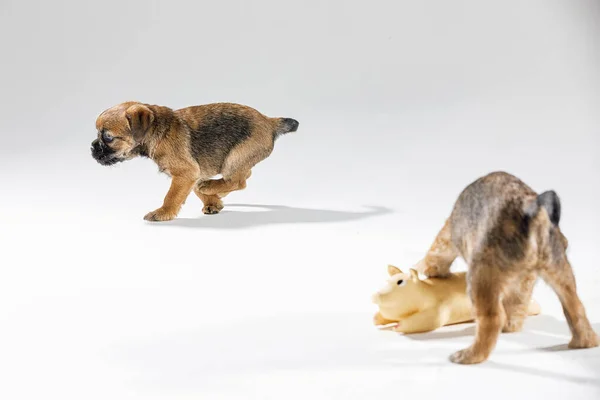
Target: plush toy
<point x="416" y="305"/>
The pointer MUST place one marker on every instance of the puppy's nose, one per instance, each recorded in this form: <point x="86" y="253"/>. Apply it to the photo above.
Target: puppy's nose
<point x="97" y="145"/>
<point x="96" y="148"/>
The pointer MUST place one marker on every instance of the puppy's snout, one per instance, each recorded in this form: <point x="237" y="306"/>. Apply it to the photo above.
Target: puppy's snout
<point x="96" y="148"/>
<point x="103" y="154"/>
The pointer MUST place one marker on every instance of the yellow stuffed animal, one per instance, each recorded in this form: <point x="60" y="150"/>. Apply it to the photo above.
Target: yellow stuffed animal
<point x="416" y="305"/>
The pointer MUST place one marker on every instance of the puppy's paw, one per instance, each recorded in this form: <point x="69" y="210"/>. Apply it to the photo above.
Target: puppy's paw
<point x="160" y="214"/>
<point x="586" y="341"/>
<point x="433" y="272"/>
<point x="212" y="209"/>
<point x="467" y="356"/>
<point x="430" y="271"/>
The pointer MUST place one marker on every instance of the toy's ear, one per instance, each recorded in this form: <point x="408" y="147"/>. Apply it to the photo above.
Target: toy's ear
<point x="393" y="270"/>
<point x="414" y="274"/>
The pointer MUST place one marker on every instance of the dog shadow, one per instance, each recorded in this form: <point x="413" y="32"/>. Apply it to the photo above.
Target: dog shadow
<point x="262" y="215"/>
<point x="539" y="334"/>
<point x="537" y="329"/>
<point x="317" y="342"/>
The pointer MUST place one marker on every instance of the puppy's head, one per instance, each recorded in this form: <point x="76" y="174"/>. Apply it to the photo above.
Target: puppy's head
<point x="121" y="132"/>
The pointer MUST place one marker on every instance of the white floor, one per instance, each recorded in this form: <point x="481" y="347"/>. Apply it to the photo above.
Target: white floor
<point x="401" y="105"/>
<point x="271" y="298"/>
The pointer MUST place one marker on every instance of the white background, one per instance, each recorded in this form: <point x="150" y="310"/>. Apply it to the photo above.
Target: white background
<point x="401" y="104"/>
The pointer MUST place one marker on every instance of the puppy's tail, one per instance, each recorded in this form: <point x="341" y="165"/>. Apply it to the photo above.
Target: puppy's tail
<point x="285" y="125"/>
<point x="548" y="200"/>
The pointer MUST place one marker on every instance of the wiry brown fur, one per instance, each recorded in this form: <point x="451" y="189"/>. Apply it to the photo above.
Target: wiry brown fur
<point x="505" y="233"/>
<point x="191" y="145"/>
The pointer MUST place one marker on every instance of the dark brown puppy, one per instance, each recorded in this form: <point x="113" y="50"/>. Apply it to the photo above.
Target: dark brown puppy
<point x="191" y="145"/>
<point x="508" y="236"/>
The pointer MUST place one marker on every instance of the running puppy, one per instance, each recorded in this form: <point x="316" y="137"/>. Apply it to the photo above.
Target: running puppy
<point x="508" y="235"/>
<point x="191" y="145"/>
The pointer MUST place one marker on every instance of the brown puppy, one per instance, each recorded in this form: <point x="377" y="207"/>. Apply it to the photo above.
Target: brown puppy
<point x="508" y="236"/>
<point x="191" y="145"/>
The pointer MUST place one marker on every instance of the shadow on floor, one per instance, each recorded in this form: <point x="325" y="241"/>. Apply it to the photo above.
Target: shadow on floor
<point x="326" y="342"/>
<point x="539" y="334"/>
<point x="272" y="215"/>
<point x="538" y="330"/>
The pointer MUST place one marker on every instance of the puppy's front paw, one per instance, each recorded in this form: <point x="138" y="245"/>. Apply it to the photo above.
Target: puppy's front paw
<point x="430" y="271"/>
<point x="160" y="214"/>
<point x="467" y="356"/>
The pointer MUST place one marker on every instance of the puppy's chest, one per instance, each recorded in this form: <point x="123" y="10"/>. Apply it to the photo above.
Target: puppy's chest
<point x="162" y="166"/>
<point x="164" y="170"/>
<point x="166" y="162"/>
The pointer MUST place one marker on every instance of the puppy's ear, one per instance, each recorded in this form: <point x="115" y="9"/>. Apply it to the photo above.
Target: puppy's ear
<point x="393" y="270"/>
<point x="140" y="119"/>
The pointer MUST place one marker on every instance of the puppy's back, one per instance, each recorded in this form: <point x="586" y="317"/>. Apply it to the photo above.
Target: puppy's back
<point x="490" y="215"/>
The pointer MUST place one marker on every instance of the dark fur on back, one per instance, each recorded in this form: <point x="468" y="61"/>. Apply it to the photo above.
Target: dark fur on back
<point x="217" y="134"/>
<point x="490" y="213"/>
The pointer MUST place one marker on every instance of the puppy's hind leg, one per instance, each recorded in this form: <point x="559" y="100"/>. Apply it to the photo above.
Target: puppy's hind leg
<point x="212" y="203"/>
<point x="560" y="277"/>
<point x="486" y="283"/>
<point x="237" y="166"/>
<point x="248" y="174"/>
<point x="222" y="187"/>
<point x="440" y="256"/>
<point x="516" y="302"/>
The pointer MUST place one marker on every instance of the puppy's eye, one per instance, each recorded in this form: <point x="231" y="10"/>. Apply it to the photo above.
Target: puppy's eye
<point x="400" y="282"/>
<point x="107" y="137"/>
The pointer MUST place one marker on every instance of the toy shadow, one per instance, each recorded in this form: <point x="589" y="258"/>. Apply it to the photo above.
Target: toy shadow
<point x="272" y="215"/>
<point x="317" y="342"/>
